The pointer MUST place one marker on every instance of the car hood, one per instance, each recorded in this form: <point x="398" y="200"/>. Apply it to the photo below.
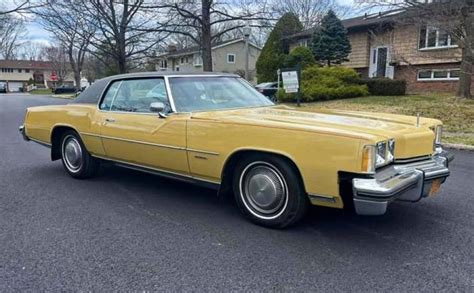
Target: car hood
<point x="411" y="140"/>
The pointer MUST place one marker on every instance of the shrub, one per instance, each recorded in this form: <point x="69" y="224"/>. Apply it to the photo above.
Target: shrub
<point x="300" y="54"/>
<point x="386" y="86"/>
<point x="327" y="83"/>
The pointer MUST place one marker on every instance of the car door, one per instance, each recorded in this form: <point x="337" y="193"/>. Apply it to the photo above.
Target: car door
<point x="132" y="133"/>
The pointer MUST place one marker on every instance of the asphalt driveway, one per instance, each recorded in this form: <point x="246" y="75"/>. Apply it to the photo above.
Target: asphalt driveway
<point x="126" y="230"/>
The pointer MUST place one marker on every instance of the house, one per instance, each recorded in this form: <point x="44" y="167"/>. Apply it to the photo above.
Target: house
<point x="17" y="73"/>
<point x="382" y="46"/>
<point x="227" y="56"/>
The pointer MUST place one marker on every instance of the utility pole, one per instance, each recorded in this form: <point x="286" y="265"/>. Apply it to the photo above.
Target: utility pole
<point x="246" y="32"/>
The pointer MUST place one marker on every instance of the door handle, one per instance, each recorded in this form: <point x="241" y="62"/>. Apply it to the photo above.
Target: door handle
<point x="109" y="120"/>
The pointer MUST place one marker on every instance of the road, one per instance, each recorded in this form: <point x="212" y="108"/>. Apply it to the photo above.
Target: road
<point x="126" y="230"/>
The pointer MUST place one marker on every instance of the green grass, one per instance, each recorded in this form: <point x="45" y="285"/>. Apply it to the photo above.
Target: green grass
<point x="41" y="92"/>
<point x="457" y="114"/>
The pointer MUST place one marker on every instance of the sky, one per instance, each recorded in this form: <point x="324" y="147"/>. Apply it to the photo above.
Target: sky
<point x="36" y="34"/>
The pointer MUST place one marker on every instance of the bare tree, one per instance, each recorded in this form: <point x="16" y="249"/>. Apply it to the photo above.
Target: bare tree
<point x="126" y="30"/>
<point x="11" y="32"/>
<point x="30" y="51"/>
<point x="57" y="56"/>
<point x="454" y="17"/>
<point x="207" y="21"/>
<point x="310" y="12"/>
<point x="70" y="28"/>
<point x="19" y="6"/>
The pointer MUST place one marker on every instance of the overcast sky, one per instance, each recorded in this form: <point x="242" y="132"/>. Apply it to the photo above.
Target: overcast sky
<point x="36" y="33"/>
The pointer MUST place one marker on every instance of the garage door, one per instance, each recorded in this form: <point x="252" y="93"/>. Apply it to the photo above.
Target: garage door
<point x="14" y="86"/>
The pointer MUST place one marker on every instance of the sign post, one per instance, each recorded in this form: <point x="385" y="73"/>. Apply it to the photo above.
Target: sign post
<point x="291" y="81"/>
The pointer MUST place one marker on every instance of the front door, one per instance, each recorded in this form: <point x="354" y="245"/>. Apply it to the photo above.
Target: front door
<point x="380" y="62"/>
<point x="132" y="134"/>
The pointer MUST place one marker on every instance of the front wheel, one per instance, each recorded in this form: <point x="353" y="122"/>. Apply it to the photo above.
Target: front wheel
<point x="76" y="160"/>
<point x="268" y="191"/>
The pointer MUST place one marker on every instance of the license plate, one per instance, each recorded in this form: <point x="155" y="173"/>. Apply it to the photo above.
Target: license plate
<point x="435" y="187"/>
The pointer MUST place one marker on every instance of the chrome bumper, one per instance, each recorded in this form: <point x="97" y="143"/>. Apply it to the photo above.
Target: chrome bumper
<point x="22" y="131"/>
<point x="407" y="182"/>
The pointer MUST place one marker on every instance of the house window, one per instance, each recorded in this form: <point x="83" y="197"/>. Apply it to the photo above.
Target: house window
<point x="197" y="60"/>
<point x="7" y="70"/>
<point x="433" y="38"/>
<point x="187" y="60"/>
<point x="182" y="60"/>
<point x="230" y="58"/>
<point x="27" y="70"/>
<point x="177" y="68"/>
<point x="163" y="64"/>
<point x="303" y="43"/>
<point x="438" y="74"/>
<point x="19" y="70"/>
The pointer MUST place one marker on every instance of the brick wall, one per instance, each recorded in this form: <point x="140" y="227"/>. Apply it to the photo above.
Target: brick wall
<point x="409" y="73"/>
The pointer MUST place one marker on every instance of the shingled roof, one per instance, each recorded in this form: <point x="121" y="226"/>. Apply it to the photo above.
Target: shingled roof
<point x="358" y="22"/>
<point x="25" y="64"/>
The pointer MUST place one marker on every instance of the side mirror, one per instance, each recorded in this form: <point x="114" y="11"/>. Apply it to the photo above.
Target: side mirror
<point x="157" y="107"/>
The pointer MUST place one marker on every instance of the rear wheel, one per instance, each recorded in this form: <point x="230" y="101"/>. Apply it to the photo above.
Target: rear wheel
<point x="269" y="191"/>
<point x="76" y="160"/>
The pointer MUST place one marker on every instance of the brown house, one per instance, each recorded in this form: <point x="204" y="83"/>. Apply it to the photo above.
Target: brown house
<point x="382" y="46"/>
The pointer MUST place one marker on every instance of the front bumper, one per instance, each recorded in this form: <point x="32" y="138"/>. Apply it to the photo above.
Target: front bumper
<point x="406" y="182"/>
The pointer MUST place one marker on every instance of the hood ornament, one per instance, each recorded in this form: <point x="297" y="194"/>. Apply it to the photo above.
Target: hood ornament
<point x="418" y="119"/>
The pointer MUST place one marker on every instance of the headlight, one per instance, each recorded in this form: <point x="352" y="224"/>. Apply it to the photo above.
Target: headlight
<point x="438" y="133"/>
<point x="381" y="153"/>
<point x="378" y="155"/>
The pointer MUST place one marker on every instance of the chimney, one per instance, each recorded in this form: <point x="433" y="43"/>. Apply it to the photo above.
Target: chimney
<point x="171" y="48"/>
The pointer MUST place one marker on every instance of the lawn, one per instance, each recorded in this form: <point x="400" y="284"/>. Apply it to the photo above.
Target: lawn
<point x="41" y="92"/>
<point x="457" y="114"/>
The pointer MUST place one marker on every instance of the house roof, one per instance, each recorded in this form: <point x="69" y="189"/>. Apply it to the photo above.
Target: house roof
<point x="25" y="64"/>
<point x="196" y="49"/>
<point x="358" y="22"/>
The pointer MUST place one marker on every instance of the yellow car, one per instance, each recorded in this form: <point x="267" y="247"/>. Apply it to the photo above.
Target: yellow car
<point x="217" y="130"/>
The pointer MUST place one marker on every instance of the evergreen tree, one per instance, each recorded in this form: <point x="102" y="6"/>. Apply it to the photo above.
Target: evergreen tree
<point x="276" y="48"/>
<point x="330" y="42"/>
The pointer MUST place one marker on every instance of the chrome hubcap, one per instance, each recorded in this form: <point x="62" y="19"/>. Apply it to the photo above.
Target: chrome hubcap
<point x="263" y="190"/>
<point x="72" y="153"/>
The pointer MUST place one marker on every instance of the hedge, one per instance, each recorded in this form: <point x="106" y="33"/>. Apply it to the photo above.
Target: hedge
<point x="385" y="86"/>
<point x="327" y="83"/>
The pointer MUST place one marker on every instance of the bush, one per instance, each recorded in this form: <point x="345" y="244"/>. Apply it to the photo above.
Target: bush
<point x="386" y="86"/>
<point x="327" y="83"/>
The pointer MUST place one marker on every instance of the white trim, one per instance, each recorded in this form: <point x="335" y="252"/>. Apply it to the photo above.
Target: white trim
<point x="436" y="46"/>
<point x="432" y="78"/>
<point x="228" y="55"/>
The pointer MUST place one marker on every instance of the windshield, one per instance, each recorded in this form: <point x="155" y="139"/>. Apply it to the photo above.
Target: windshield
<point x="212" y="93"/>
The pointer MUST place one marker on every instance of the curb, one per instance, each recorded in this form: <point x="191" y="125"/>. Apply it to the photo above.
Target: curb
<point x="458" y="146"/>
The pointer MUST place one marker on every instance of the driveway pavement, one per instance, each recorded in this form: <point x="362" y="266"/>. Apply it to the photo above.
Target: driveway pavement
<point x="126" y="230"/>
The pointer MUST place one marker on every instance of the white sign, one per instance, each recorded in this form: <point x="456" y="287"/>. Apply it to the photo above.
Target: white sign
<point x="290" y="81"/>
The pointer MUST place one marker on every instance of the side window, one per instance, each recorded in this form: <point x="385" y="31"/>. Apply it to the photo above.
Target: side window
<point x="109" y="96"/>
<point x="136" y="95"/>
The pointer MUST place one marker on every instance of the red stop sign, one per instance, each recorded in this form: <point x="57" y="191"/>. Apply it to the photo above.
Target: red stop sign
<point x="54" y="77"/>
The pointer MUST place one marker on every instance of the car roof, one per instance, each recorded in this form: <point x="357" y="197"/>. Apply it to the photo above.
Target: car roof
<point x="167" y="73"/>
<point x="92" y="93"/>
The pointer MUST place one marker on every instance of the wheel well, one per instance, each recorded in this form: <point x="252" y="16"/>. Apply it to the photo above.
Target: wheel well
<point x="56" y="135"/>
<point x="231" y="163"/>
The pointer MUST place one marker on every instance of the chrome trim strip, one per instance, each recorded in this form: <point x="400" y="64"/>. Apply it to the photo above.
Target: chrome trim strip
<point x="46" y="144"/>
<point x="170" y="96"/>
<point x="157" y="171"/>
<point x="330" y="199"/>
<point x="202" y="152"/>
<point x="152" y="144"/>
<point x="90" y="134"/>
<point x="145" y="143"/>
